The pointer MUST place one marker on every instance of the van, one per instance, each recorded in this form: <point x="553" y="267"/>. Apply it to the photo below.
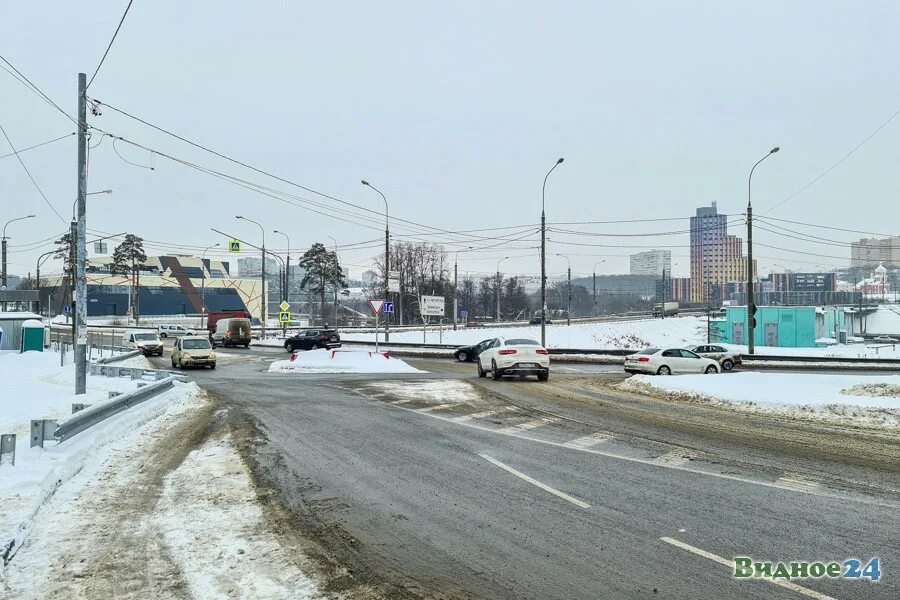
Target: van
<point x="145" y="341"/>
<point x="231" y="332"/>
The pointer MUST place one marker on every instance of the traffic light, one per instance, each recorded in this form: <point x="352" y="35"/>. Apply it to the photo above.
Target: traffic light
<point x="751" y="310"/>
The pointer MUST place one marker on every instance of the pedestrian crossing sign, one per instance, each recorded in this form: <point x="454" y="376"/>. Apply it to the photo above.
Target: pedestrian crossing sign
<point x="234" y="246"/>
<point x="284" y="317"/>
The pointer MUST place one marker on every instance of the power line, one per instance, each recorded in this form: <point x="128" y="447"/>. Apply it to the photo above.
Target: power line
<point x="62" y="137"/>
<point x="36" y="186"/>
<point x="832" y="167"/>
<point x="829" y="227"/>
<point x="122" y="20"/>
<point x="34" y="89"/>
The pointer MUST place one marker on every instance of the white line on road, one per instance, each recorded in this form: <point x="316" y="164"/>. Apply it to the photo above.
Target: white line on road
<point x="440" y="406"/>
<point x="401" y="401"/>
<point x="730" y="563"/>
<point x="675" y="458"/>
<point x="529" y="425"/>
<point x="535" y="482"/>
<point x="478" y="415"/>
<point x="796" y="483"/>
<point x="588" y="441"/>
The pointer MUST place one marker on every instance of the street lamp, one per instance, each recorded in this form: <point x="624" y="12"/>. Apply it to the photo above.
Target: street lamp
<point x="387" y="256"/>
<point x="498" y="286"/>
<point x="264" y="300"/>
<point x="335" y="287"/>
<point x="287" y="268"/>
<point x="569" y="291"/>
<point x="544" y="255"/>
<point x="456" y="285"/>
<point x="751" y="308"/>
<point x="3" y="243"/>
<point x="595" y="283"/>
<point x="203" y="282"/>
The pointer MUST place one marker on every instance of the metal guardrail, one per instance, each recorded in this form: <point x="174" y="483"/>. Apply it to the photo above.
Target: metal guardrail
<point x="821" y="359"/>
<point x="111" y="359"/>
<point x="96" y="413"/>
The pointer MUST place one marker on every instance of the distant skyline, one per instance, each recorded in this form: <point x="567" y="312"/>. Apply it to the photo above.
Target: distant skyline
<point x="456" y="114"/>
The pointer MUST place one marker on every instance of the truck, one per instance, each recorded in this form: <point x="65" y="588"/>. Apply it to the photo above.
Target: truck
<point x="665" y="309"/>
<point x="216" y="315"/>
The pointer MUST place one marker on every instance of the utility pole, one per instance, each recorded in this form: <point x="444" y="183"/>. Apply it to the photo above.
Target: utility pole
<point x="336" y="328"/>
<point x="80" y="316"/>
<point x="497" y="287"/>
<point x="595" y="284"/>
<point x="544" y="255"/>
<point x="3" y="243"/>
<point x="263" y="309"/>
<point x="569" y="301"/>
<point x="751" y="307"/>
<point x="387" y="261"/>
<point x="456" y="286"/>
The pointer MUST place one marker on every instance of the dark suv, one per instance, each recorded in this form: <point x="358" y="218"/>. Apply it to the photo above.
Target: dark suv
<point x="312" y="339"/>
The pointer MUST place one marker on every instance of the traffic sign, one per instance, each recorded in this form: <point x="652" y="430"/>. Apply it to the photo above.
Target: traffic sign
<point x="234" y="246"/>
<point x="284" y="305"/>
<point x="464" y="314"/>
<point x="431" y="306"/>
<point x="388" y="307"/>
<point x="284" y="317"/>
<point x="376" y="305"/>
<point x="67" y="308"/>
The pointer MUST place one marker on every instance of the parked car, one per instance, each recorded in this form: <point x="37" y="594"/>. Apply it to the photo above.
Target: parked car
<point x="726" y="358"/>
<point x="656" y="361"/>
<point x="312" y="339"/>
<point x="537" y="321"/>
<point x="231" y="332"/>
<point x="516" y="356"/>
<point x="145" y="341"/>
<point x="470" y="353"/>
<point x="883" y="339"/>
<point x="173" y="330"/>
<point x="193" y="352"/>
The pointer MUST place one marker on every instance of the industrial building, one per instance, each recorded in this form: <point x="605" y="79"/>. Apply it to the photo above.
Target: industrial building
<point x="790" y="326"/>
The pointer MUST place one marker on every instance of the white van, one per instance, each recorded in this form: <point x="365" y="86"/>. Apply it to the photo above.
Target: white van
<point x="167" y="330"/>
<point x="145" y="341"/>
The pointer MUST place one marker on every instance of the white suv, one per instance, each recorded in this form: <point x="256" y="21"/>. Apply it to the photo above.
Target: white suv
<point x="173" y="330"/>
<point x="516" y="356"/>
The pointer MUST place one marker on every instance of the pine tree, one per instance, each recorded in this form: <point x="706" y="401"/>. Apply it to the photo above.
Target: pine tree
<point x="129" y="258"/>
<point x="322" y="269"/>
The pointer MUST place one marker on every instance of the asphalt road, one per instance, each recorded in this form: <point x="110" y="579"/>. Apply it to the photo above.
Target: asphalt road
<point x="469" y="488"/>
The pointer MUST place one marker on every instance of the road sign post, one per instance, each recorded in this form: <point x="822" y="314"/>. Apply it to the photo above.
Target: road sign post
<point x="377" y="305"/>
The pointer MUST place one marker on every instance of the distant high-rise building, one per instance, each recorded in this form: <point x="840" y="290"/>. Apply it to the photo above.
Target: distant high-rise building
<point x="369" y="277"/>
<point x="716" y="257"/>
<point x="652" y="262"/>
<point x="250" y="266"/>
<point x="870" y="252"/>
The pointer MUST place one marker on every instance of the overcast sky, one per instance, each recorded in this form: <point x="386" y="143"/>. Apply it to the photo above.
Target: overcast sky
<point x="456" y="111"/>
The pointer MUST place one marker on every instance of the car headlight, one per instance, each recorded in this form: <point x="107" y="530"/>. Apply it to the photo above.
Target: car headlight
<point x="140" y="345"/>
<point x="212" y="356"/>
<point x="185" y="355"/>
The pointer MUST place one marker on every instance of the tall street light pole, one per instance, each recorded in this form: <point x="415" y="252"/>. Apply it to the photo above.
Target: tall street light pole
<point x="595" y="284"/>
<point x="498" y="286"/>
<point x="335" y="287"/>
<point x="456" y="286"/>
<point x="264" y="300"/>
<point x="568" y="291"/>
<point x="387" y="256"/>
<point x="204" y="312"/>
<point x="751" y="307"/>
<point x="3" y="243"/>
<point x="287" y="268"/>
<point x="80" y="234"/>
<point x="544" y="256"/>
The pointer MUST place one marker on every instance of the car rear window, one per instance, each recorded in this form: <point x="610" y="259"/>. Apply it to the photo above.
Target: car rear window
<point x="649" y="351"/>
<point x="522" y="342"/>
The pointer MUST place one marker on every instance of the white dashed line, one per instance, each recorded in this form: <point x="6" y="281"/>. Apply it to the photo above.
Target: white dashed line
<point x="730" y="564"/>
<point x="796" y="483"/>
<point x="535" y="482"/>
<point x="479" y="415"/>
<point x="588" y="441"/>
<point x="440" y="406"/>
<point x="529" y="425"/>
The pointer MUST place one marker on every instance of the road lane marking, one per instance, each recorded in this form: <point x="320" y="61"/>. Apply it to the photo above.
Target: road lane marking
<point x="439" y="406"/>
<point x="588" y="441"/>
<point x="478" y="415"/>
<point x="730" y="563"/>
<point x="796" y="483"/>
<point x="529" y="425"/>
<point x="402" y="401"/>
<point x="641" y="461"/>
<point x="535" y="482"/>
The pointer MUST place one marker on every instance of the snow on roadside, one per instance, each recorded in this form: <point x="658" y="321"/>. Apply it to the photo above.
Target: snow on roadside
<point x="437" y="391"/>
<point x="856" y="399"/>
<point x="40" y="473"/>
<point x="341" y="361"/>
<point x="217" y="532"/>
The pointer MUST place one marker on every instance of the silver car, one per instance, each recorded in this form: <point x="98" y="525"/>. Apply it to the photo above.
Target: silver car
<point x="726" y="358"/>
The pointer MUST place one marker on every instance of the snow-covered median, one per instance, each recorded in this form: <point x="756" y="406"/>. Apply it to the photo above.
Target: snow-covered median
<point x="860" y="399"/>
<point x="341" y="361"/>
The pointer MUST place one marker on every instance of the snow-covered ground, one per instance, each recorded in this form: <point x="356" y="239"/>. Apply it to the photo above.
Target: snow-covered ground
<point x="341" y="361"/>
<point x="677" y="331"/>
<point x="860" y="399"/>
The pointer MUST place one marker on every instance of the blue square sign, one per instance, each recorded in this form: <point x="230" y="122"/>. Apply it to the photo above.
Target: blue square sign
<point x="464" y="314"/>
<point x="388" y="307"/>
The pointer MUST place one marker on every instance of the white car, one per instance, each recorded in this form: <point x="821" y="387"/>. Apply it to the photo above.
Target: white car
<point x="657" y="361"/>
<point x="173" y="330"/>
<point x="145" y="341"/>
<point x="516" y="356"/>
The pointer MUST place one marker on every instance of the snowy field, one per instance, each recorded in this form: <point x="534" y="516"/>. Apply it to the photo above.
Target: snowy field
<point x="858" y="399"/>
<point x="341" y="361"/>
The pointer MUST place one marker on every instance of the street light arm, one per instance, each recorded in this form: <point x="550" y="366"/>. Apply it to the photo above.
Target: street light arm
<point x="753" y="168"/>
<point x="13" y="221"/>
<point x="544" y="188"/>
<point x="367" y="184"/>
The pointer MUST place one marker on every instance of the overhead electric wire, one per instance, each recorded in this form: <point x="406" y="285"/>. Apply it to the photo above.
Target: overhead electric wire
<point x="832" y="167"/>
<point x="116" y="33"/>
<point x="62" y="137"/>
<point x="35" y="89"/>
<point x="27" y="172"/>
<point x="829" y="227"/>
